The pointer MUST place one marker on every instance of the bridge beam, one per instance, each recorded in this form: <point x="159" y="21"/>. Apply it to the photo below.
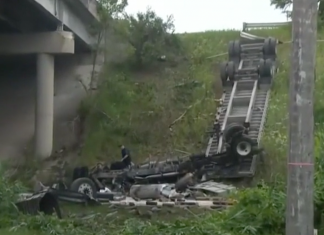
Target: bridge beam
<point x="44" y="115"/>
<point x="73" y="14"/>
<point x="56" y="42"/>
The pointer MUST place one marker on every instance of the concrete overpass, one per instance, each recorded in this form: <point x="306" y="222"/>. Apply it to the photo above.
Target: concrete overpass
<point x="40" y="37"/>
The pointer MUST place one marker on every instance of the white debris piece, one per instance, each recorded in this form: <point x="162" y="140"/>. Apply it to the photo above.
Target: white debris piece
<point x="105" y="190"/>
<point x="146" y="191"/>
<point x="169" y="191"/>
<point x="219" y="189"/>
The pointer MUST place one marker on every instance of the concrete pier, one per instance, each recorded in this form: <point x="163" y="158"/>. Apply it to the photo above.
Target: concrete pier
<point x="44" y="105"/>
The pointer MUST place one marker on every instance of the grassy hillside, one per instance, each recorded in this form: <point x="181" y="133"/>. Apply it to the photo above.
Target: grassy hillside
<point x="162" y="112"/>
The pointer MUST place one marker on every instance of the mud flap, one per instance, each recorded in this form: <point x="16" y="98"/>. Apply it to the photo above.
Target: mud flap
<point x="42" y="202"/>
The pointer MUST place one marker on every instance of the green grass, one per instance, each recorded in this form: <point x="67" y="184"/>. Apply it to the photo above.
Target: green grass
<point x="137" y="109"/>
<point x="21" y="232"/>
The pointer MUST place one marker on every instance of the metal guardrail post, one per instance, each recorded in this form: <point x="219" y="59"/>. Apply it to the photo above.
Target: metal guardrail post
<point x="244" y="26"/>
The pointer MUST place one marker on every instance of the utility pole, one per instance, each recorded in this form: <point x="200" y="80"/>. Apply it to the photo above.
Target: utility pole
<point x="300" y="188"/>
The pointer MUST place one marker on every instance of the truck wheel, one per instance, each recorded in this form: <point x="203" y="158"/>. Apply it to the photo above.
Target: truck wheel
<point x="237" y="48"/>
<point x="85" y="186"/>
<point x="270" y="47"/>
<point x="231" y="70"/>
<point x="243" y="146"/>
<point x="234" y="50"/>
<point x="231" y="130"/>
<point x="231" y="53"/>
<point x="265" y="68"/>
<point x="223" y="72"/>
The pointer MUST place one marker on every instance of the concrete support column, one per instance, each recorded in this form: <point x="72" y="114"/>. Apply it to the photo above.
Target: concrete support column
<point x="44" y="105"/>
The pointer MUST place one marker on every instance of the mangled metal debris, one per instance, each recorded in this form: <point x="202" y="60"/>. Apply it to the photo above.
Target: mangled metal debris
<point x="215" y="188"/>
<point x="45" y="202"/>
<point x="185" y="171"/>
<point x="210" y="204"/>
<point x="208" y="195"/>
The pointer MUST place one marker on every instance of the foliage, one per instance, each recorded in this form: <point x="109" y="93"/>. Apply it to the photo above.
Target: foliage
<point x="108" y="12"/>
<point x="147" y="34"/>
<point x="138" y="112"/>
<point x="8" y="193"/>
<point x="282" y="4"/>
<point x="285" y="4"/>
<point x="150" y="36"/>
<point x="156" y="112"/>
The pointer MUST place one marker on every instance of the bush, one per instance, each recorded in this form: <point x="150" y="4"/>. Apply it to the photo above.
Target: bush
<point x="150" y="38"/>
<point x="9" y="192"/>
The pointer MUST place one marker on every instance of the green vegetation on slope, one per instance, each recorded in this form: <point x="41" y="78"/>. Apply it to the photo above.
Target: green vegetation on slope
<point x="158" y="112"/>
<point x="136" y="109"/>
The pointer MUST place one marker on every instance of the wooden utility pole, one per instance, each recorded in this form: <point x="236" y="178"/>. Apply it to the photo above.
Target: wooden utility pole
<point x="300" y="188"/>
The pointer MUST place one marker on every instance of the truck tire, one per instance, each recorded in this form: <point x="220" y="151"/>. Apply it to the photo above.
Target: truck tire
<point x="234" y="50"/>
<point x="270" y="47"/>
<point x="243" y="146"/>
<point x="231" y="70"/>
<point x="265" y="68"/>
<point x="223" y="72"/>
<point x="84" y="185"/>
<point x="231" y="130"/>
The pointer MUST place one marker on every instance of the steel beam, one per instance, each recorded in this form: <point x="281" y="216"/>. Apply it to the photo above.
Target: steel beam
<point x="78" y="19"/>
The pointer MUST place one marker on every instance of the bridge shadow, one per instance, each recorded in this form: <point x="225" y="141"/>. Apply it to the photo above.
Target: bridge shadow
<point x="18" y="95"/>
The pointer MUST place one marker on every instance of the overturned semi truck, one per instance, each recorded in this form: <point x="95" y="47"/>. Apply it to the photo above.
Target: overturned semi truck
<point x="247" y="79"/>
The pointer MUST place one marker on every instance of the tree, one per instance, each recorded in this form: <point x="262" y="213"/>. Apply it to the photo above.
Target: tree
<point x="284" y="4"/>
<point x="150" y="36"/>
<point x="109" y="11"/>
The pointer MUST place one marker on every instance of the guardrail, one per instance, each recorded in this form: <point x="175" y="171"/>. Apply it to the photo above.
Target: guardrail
<point x="248" y="26"/>
<point x="250" y="36"/>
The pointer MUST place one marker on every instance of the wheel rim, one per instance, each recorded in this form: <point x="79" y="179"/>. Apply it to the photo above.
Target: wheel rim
<point x="243" y="148"/>
<point x="85" y="189"/>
